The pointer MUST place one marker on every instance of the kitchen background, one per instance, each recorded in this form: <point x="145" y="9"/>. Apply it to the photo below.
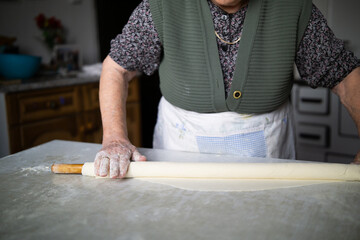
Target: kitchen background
<point x="324" y="130"/>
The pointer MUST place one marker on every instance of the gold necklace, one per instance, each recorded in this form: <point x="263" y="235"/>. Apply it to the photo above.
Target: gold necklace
<point x="231" y="43"/>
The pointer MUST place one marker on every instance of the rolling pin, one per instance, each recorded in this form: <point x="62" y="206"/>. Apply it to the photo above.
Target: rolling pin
<point x="67" y="168"/>
<point x="299" y="171"/>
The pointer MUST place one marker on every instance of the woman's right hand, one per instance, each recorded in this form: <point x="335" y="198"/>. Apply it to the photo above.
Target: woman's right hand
<point x="117" y="151"/>
<point x="114" y="158"/>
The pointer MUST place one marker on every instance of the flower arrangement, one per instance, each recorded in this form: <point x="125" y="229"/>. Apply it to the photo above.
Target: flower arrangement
<point x="52" y="30"/>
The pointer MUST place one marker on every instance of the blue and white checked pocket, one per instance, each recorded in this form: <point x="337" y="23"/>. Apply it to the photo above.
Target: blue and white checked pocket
<point x="251" y="144"/>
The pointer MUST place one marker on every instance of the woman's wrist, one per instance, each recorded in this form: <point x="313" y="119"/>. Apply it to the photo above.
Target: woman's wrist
<point x="114" y="138"/>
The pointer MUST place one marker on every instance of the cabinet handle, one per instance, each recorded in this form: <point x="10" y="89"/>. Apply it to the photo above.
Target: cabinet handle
<point x="82" y="129"/>
<point x="52" y="105"/>
<point x="88" y="128"/>
<point x="312" y="100"/>
<point x="310" y="136"/>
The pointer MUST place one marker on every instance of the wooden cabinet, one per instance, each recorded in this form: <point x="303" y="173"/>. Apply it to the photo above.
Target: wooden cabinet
<point x="66" y="113"/>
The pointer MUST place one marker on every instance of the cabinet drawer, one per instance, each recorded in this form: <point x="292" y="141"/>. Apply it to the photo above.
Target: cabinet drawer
<point x="315" y="101"/>
<point x="339" y="158"/>
<point x="91" y="127"/>
<point x="347" y="125"/>
<point x="133" y="90"/>
<point x="91" y="97"/>
<point x="315" y="135"/>
<point x="47" y="104"/>
<point x="65" y="128"/>
<point x="133" y="123"/>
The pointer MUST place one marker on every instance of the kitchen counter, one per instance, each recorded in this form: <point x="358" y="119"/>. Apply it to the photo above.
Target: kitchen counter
<point x="37" y="204"/>
<point x="49" y="82"/>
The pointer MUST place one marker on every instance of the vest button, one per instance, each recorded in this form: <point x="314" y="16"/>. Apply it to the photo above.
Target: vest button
<point x="237" y="94"/>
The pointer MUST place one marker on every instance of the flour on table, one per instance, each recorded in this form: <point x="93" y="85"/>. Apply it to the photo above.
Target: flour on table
<point x="35" y="170"/>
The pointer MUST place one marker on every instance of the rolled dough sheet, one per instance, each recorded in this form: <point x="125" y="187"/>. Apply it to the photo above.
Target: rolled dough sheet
<point x="231" y="185"/>
<point x="237" y="176"/>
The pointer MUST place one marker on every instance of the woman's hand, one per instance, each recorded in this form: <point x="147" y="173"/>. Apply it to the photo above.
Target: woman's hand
<point x="117" y="151"/>
<point x="115" y="158"/>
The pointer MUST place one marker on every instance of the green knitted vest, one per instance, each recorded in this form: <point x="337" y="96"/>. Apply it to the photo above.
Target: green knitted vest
<point x="190" y="72"/>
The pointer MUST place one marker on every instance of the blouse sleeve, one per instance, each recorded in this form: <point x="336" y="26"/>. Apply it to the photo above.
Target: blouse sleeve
<point x="322" y="59"/>
<point x="138" y="47"/>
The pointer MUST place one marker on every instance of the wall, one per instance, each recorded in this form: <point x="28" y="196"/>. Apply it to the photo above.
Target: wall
<point x="344" y="19"/>
<point x="323" y="6"/>
<point x="77" y="16"/>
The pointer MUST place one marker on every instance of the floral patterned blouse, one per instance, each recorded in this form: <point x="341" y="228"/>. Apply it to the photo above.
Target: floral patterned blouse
<point x="321" y="59"/>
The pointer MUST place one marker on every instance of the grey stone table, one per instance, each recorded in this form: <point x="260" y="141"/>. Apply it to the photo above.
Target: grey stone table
<point x="36" y="204"/>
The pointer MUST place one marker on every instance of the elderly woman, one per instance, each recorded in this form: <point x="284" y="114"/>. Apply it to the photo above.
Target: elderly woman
<point x="226" y="70"/>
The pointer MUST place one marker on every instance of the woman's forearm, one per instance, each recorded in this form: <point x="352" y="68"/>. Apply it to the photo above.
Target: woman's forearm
<point x="113" y="94"/>
<point x="349" y="93"/>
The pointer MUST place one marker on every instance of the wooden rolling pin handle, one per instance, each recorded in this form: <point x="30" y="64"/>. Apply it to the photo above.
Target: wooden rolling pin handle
<point x="67" y="168"/>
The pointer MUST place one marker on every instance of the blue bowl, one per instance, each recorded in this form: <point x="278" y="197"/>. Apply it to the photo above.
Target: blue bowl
<point x="18" y="66"/>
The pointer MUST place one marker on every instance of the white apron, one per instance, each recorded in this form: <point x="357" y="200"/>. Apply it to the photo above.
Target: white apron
<point x="256" y="135"/>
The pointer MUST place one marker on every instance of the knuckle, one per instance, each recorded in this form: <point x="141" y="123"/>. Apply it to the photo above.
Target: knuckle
<point x="100" y="155"/>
